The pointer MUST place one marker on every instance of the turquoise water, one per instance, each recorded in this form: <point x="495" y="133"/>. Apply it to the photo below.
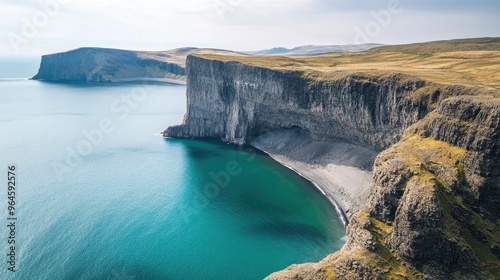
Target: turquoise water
<point x="101" y="195"/>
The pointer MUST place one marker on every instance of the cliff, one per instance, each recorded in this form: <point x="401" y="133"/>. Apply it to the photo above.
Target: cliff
<point x="112" y="65"/>
<point x="431" y="113"/>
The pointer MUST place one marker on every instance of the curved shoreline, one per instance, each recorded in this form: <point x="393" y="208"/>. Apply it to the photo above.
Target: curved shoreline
<point x="340" y="170"/>
<point x="324" y="191"/>
<point x="327" y="192"/>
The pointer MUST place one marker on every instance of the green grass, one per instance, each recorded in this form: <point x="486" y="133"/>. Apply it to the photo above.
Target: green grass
<point x="460" y="233"/>
<point x="384" y="258"/>
<point x="461" y="171"/>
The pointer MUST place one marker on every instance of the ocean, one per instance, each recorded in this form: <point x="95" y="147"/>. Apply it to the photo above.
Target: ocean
<point x="98" y="193"/>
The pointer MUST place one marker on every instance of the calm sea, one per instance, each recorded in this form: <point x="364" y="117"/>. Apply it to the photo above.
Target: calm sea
<point x="99" y="194"/>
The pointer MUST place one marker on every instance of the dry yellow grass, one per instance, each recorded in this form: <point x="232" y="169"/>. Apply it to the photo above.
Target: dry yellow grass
<point x="467" y="62"/>
<point x="178" y="56"/>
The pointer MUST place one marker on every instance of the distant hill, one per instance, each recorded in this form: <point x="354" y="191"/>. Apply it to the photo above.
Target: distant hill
<point x="474" y="44"/>
<point x="312" y="50"/>
<point x="113" y="65"/>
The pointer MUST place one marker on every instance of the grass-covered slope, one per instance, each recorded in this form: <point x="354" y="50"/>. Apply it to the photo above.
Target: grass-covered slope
<point x="471" y="62"/>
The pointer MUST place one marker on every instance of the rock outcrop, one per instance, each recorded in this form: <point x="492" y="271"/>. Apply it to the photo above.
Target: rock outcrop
<point x="433" y="210"/>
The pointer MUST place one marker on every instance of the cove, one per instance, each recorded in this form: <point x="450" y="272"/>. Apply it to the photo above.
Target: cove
<point x="146" y="207"/>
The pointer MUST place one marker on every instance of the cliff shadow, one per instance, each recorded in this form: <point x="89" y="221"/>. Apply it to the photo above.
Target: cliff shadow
<point x="299" y="145"/>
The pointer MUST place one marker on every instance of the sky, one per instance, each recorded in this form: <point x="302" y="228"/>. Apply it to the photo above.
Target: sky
<point x="36" y="27"/>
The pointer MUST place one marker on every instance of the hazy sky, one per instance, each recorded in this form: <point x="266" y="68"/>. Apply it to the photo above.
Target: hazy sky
<point x="33" y="27"/>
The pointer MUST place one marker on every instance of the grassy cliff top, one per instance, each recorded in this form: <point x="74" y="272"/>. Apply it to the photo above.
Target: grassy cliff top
<point x="471" y="62"/>
<point x="178" y="56"/>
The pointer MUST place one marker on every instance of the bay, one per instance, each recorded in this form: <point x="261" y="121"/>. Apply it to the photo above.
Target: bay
<point x="101" y="195"/>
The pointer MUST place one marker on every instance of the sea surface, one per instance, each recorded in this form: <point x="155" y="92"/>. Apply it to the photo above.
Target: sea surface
<point x="101" y="195"/>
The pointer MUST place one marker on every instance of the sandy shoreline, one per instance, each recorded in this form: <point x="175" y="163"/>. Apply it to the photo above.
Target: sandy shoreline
<point x="341" y="171"/>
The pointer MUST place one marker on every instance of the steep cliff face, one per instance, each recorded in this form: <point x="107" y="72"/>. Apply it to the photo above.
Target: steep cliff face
<point x="104" y="65"/>
<point x="238" y="102"/>
<point x="433" y="209"/>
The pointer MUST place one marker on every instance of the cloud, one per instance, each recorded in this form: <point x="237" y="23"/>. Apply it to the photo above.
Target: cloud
<point x="241" y="24"/>
<point x="417" y="5"/>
